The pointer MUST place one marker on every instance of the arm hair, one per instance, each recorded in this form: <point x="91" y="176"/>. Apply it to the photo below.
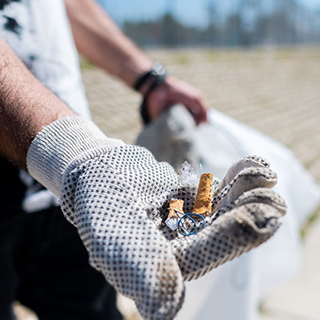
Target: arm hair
<point x="26" y="106"/>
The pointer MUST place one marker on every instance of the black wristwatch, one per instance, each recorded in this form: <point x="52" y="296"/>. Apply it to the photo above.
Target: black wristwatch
<point x="157" y="75"/>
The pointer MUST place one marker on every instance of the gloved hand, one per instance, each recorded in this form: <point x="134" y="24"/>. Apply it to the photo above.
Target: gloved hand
<point x="245" y="213"/>
<point x="115" y="195"/>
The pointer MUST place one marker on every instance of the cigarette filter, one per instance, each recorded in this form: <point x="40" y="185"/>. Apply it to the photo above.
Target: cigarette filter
<point x="202" y="204"/>
<point x="172" y="220"/>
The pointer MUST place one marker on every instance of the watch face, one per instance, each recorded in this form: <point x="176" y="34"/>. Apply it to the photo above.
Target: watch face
<point x="158" y="69"/>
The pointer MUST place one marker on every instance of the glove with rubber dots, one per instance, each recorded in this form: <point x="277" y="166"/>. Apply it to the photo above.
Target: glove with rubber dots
<point x="116" y="195"/>
<point x="245" y="213"/>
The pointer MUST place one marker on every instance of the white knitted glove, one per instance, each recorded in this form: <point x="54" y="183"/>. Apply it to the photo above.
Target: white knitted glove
<point x="245" y="213"/>
<point x="116" y="195"/>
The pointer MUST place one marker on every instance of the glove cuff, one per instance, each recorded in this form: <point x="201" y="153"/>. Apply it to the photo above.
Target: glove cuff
<point x="58" y="144"/>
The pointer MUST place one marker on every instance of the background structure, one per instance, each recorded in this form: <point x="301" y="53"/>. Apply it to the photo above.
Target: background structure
<point x="214" y="23"/>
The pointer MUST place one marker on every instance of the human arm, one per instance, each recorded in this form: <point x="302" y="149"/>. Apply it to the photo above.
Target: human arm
<point x="99" y="39"/>
<point x="26" y="106"/>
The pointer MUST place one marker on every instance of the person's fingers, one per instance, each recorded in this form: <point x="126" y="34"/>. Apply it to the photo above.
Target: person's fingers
<point x="259" y="195"/>
<point x="234" y="233"/>
<point x="175" y="91"/>
<point x="262" y="195"/>
<point x="199" y="113"/>
<point x="193" y="100"/>
<point x="245" y="180"/>
<point x="247" y="162"/>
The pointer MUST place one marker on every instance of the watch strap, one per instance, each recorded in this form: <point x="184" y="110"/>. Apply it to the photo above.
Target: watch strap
<point x="157" y="74"/>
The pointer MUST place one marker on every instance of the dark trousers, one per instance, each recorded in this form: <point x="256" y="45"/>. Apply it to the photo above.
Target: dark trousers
<point x="44" y="265"/>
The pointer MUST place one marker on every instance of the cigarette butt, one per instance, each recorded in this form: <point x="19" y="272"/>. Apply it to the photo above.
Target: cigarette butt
<point x="172" y="220"/>
<point x="175" y="205"/>
<point x="202" y="205"/>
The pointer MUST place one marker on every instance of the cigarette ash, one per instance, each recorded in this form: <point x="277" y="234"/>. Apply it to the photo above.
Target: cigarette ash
<point x="187" y="175"/>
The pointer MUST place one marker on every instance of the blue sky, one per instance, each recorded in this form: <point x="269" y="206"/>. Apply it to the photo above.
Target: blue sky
<point x="191" y="12"/>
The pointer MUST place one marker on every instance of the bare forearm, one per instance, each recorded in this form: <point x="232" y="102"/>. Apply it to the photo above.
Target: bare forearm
<point x="100" y="40"/>
<point x="26" y="106"/>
